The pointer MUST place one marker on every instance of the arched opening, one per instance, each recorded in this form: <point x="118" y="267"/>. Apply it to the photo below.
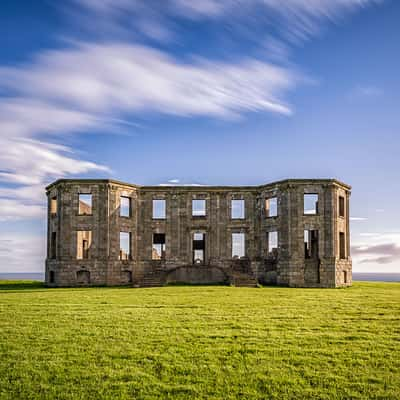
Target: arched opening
<point x="126" y="277"/>
<point x="83" y="277"/>
<point x="51" y="277"/>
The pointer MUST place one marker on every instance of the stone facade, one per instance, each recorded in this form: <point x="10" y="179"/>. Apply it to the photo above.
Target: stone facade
<point x="273" y="236"/>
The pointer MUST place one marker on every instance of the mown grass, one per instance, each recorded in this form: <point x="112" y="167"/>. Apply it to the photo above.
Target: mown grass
<point x="199" y="342"/>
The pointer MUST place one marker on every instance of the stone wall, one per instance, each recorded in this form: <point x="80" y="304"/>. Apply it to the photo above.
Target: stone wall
<point x="286" y="265"/>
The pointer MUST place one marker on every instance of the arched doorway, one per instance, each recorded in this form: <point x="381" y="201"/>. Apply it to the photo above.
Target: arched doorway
<point x="83" y="277"/>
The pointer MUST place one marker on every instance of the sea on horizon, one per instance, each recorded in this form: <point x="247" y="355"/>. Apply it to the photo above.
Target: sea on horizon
<point x="357" y="276"/>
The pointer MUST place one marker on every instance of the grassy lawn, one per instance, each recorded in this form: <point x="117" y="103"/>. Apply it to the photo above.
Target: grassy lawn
<point x="199" y="342"/>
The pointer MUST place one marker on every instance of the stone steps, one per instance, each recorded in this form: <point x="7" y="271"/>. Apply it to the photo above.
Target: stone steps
<point x="244" y="280"/>
<point x="245" y="283"/>
<point x="151" y="280"/>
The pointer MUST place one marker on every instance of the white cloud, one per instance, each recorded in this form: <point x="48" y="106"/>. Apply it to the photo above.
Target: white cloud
<point x="16" y="209"/>
<point x="79" y="89"/>
<point x="376" y="252"/>
<point x="104" y="79"/>
<point x="22" y="253"/>
<point x="45" y="160"/>
<point x="34" y="193"/>
<point x="90" y="85"/>
<point x="28" y="165"/>
<point x="358" y="219"/>
<point x="27" y="115"/>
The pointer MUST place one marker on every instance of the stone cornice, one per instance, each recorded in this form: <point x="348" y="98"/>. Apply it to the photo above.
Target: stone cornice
<point x="290" y="183"/>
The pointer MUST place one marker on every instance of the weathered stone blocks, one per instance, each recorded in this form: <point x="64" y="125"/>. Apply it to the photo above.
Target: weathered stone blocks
<point x="296" y="261"/>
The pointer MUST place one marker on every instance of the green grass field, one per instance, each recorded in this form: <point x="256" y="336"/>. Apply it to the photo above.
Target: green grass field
<point x="183" y="342"/>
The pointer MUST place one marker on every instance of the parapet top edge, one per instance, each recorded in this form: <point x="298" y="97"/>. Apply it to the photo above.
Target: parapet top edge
<point x="203" y="187"/>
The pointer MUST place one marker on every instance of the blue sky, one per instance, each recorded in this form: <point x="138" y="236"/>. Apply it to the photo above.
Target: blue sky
<point x="208" y="92"/>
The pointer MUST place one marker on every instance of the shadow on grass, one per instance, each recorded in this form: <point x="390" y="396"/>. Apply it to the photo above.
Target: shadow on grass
<point x="21" y="285"/>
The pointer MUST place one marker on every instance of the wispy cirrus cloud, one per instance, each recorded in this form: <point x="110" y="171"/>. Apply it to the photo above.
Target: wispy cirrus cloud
<point x="27" y="165"/>
<point x="92" y="85"/>
<point x="177" y="182"/>
<point x="113" y="78"/>
<point x="358" y="219"/>
<point x="45" y="160"/>
<point x="293" y="18"/>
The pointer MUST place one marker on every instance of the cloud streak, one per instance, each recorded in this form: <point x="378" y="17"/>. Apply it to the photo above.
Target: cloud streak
<point x="103" y="79"/>
<point x="380" y="254"/>
<point x="92" y="85"/>
<point x="21" y="253"/>
<point x="45" y="161"/>
<point x="293" y="18"/>
<point x="27" y="165"/>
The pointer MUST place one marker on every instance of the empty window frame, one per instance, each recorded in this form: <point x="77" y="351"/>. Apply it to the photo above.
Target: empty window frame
<point x="237" y="209"/>
<point x="51" y="277"/>
<point x="311" y="249"/>
<point x="53" y="205"/>
<point x="238" y="245"/>
<point x="272" y="244"/>
<point x="198" y="208"/>
<point x="158" y="249"/>
<point x="125" y="206"/>
<point x="85" y="204"/>
<point x="342" y="245"/>
<point x="53" y="245"/>
<point x="199" y="246"/>
<point x="124" y="245"/>
<point x="271" y="207"/>
<point x="311" y="204"/>
<point x="159" y="209"/>
<point x="341" y="206"/>
<point x="83" y="244"/>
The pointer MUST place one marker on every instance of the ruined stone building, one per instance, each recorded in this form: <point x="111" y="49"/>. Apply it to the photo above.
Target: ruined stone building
<point x="104" y="232"/>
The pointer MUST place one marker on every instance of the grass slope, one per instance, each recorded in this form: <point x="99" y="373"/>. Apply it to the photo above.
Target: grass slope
<point x="199" y="342"/>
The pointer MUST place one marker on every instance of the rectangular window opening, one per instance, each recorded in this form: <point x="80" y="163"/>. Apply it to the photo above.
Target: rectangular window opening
<point x="125" y="206"/>
<point x="84" y="243"/>
<point x="85" y="204"/>
<point x="125" y="245"/>
<point x="271" y="207"/>
<point x="237" y="209"/>
<point x="311" y="249"/>
<point x="342" y="245"/>
<point x="198" y="248"/>
<point x="238" y="245"/>
<point x="311" y="204"/>
<point x="341" y="206"/>
<point x="158" y="252"/>
<point x="53" y="245"/>
<point x="159" y="209"/>
<point x="272" y="244"/>
<point x="198" y="208"/>
<point x="53" y="205"/>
